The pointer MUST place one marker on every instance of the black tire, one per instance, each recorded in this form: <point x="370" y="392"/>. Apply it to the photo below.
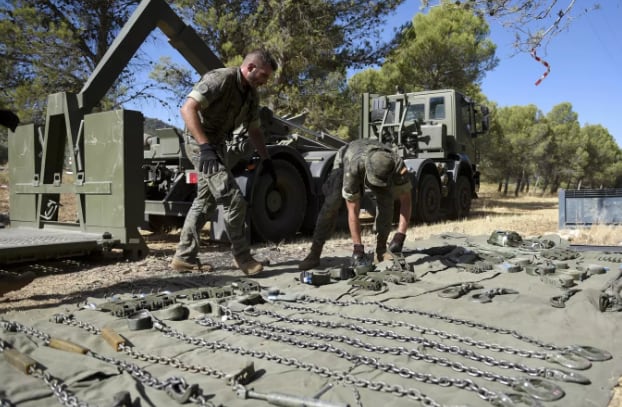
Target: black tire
<point x="462" y="196"/>
<point x="428" y="199"/>
<point x="164" y="224"/>
<point x="278" y="211"/>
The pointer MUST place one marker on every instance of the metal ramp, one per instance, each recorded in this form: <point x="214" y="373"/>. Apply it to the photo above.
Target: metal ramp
<point x="110" y="201"/>
<point x="19" y="245"/>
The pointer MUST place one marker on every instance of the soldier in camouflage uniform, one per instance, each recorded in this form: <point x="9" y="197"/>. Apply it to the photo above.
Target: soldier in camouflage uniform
<point x="358" y="164"/>
<point x="220" y="102"/>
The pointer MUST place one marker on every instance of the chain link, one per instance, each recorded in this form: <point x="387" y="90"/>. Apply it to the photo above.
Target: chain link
<point x="413" y="353"/>
<point x="338" y="376"/>
<point x="441" y="317"/>
<point x="175" y="387"/>
<point x="419" y="329"/>
<point x="131" y="351"/>
<point x="267" y="332"/>
<point x="58" y="387"/>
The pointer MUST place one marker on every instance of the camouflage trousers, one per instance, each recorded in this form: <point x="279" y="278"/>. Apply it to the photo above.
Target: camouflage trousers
<point x="213" y="190"/>
<point x="333" y="201"/>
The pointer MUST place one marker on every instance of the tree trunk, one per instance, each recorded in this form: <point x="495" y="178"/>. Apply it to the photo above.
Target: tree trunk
<point x="555" y="185"/>
<point x="545" y="186"/>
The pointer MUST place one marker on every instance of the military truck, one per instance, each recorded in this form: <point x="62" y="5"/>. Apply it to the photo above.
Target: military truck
<point x="110" y="156"/>
<point x="435" y="133"/>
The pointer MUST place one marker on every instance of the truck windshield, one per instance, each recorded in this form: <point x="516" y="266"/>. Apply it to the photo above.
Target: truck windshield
<point x="415" y="112"/>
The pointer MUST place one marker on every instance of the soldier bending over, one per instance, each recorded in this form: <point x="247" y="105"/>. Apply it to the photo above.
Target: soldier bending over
<point x="363" y="163"/>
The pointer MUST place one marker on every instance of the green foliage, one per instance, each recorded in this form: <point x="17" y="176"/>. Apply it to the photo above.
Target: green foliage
<point x="446" y="48"/>
<point x="314" y="42"/>
<point x="52" y="46"/>
<point x="602" y="158"/>
<point x="552" y="150"/>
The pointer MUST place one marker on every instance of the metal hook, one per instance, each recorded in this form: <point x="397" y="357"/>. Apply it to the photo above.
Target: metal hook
<point x="539" y="388"/>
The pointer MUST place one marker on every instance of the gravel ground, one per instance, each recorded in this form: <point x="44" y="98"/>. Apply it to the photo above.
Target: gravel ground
<point x="73" y="280"/>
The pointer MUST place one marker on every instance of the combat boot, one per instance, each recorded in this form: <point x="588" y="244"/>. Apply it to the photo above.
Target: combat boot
<point x="186" y="266"/>
<point x="313" y="258"/>
<point x="248" y="264"/>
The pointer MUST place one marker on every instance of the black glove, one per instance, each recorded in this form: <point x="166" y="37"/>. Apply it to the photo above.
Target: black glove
<point x="268" y="167"/>
<point x="209" y="162"/>
<point x="9" y="119"/>
<point x="358" y="255"/>
<point x="397" y="243"/>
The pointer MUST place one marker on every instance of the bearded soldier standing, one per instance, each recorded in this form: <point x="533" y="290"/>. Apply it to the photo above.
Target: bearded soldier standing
<point x="220" y="102"/>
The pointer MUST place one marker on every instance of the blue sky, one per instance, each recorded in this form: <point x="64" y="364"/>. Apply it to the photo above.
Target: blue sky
<point x="585" y="63"/>
<point x="585" y="68"/>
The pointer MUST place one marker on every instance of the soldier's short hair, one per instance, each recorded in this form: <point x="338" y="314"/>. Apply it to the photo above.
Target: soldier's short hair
<point x="263" y="56"/>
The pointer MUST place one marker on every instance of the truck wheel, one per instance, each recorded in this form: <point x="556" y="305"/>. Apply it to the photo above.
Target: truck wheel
<point x="163" y="224"/>
<point x="428" y="199"/>
<point x="278" y="211"/>
<point x="461" y="198"/>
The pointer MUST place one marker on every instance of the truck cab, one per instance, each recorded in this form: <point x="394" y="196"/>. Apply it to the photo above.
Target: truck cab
<point x="434" y="131"/>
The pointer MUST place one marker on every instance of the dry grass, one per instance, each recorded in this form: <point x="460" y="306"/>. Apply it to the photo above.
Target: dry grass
<point x="529" y="215"/>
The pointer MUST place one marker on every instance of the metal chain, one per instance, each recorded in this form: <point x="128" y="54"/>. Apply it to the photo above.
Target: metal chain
<point x="445" y="318"/>
<point x="176" y="387"/>
<point x="338" y="376"/>
<point x="429" y="378"/>
<point x="70" y="320"/>
<point x="412" y="353"/>
<point x="424" y="331"/>
<point x="58" y="387"/>
<point x="173" y="362"/>
<point x="131" y="351"/>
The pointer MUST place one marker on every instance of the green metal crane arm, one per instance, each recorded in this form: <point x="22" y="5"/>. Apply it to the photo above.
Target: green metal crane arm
<point x="148" y="15"/>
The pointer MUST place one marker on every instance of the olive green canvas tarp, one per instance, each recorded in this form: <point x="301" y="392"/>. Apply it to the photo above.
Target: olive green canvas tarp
<point x="400" y="346"/>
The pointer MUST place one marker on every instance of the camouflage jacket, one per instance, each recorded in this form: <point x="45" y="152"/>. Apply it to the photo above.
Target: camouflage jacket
<point x="225" y="103"/>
